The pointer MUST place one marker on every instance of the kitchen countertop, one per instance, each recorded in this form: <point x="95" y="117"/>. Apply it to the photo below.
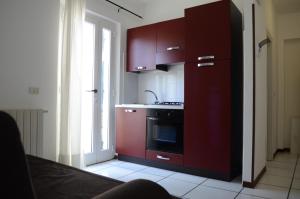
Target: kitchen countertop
<point x="153" y="106"/>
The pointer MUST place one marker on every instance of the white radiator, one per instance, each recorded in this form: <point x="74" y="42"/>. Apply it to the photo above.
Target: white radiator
<point x="30" y="124"/>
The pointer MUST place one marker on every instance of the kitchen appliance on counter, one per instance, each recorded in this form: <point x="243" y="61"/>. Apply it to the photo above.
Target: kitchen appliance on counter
<point x="165" y="130"/>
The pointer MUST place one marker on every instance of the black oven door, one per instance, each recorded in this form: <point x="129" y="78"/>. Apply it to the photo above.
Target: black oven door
<point x="164" y="134"/>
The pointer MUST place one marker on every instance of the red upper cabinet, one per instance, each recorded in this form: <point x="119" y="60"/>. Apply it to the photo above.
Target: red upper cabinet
<point x="208" y="31"/>
<point x="141" y="48"/>
<point x="170" y="44"/>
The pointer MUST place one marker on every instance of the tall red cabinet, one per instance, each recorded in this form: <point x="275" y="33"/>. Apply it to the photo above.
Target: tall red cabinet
<point x="213" y="90"/>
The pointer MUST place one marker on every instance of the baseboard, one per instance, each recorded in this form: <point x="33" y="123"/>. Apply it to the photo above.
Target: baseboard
<point x="281" y="150"/>
<point x="254" y="183"/>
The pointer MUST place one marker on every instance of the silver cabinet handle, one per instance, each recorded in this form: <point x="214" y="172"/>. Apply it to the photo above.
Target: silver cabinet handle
<point x="162" y="158"/>
<point x="130" y="111"/>
<point x="141" y="68"/>
<point x="153" y="118"/>
<point x="206" y="57"/>
<point x="206" y="64"/>
<point x="173" y="48"/>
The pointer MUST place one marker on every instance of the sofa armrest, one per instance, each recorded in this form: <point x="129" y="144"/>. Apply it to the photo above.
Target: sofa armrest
<point x="136" y="189"/>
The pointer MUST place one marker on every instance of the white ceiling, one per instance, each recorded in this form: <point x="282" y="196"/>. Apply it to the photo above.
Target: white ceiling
<point x="287" y="6"/>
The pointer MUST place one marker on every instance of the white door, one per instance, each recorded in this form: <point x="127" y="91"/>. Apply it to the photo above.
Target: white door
<point x="97" y="85"/>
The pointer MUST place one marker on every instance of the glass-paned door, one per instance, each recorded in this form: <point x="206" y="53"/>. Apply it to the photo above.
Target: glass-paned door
<point x="96" y="90"/>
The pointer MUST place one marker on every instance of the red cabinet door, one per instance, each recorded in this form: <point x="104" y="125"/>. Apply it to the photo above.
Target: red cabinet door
<point x="170" y="41"/>
<point x="131" y="132"/>
<point x="141" y="48"/>
<point x="208" y="31"/>
<point x="207" y="114"/>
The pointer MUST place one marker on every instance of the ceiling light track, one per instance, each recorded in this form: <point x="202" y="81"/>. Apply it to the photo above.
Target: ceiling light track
<point x="121" y="7"/>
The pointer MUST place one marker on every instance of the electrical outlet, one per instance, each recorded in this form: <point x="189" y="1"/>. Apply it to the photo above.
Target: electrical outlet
<point x="33" y="90"/>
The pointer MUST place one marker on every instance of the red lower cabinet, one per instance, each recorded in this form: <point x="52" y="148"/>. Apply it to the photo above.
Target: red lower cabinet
<point x="131" y="132"/>
<point x="164" y="157"/>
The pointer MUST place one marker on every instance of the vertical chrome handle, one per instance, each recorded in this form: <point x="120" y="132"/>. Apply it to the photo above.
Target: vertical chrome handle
<point x="206" y="57"/>
<point x="173" y="48"/>
<point x="130" y="111"/>
<point x="205" y="64"/>
<point x="162" y="158"/>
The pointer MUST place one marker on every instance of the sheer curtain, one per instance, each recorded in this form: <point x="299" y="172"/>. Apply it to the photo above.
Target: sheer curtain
<point x="70" y="152"/>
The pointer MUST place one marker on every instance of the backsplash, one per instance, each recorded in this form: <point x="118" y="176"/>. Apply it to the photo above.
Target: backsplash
<point x="168" y="86"/>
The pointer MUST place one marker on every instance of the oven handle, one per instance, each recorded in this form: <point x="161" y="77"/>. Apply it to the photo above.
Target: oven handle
<point x="162" y="157"/>
<point x="153" y="118"/>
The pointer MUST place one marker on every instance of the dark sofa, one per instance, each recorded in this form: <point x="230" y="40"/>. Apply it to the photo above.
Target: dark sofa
<point x="29" y="177"/>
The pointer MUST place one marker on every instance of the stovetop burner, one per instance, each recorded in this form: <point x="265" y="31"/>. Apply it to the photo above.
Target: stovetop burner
<point x="170" y="103"/>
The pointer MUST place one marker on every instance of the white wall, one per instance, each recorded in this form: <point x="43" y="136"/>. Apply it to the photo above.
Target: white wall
<point x="159" y="10"/>
<point x="28" y="58"/>
<point x="168" y="86"/>
<point x="292" y="82"/>
<point x="288" y="28"/>
<point x="248" y="93"/>
<point x="260" y="89"/>
<point x="260" y="92"/>
<point x="272" y="31"/>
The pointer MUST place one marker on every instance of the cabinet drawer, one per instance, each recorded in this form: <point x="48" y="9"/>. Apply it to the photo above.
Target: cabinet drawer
<point x="164" y="157"/>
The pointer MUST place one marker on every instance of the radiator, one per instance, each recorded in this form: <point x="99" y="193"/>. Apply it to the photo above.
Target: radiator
<point x="30" y="124"/>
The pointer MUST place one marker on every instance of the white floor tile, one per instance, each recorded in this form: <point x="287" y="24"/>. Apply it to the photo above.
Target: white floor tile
<point x="188" y="178"/>
<point x="288" y="159"/>
<point x="267" y="191"/>
<point x="297" y="174"/>
<point x="176" y="187"/>
<point x="244" y="196"/>
<point x="276" y="180"/>
<point x="132" y="166"/>
<point x="114" y="162"/>
<point x="281" y="165"/>
<point x="97" y="167"/>
<point x="114" y="172"/>
<point x="234" y="185"/>
<point x="294" y="194"/>
<point x="280" y="172"/>
<point x="204" y="192"/>
<point x="296" y="184"/>
<point x="156" y="171"/>
<point x="139" y="175"/>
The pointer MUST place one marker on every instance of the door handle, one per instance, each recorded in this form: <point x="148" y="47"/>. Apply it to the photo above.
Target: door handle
<point x="130" y="111"/>
<point x="206" y="64"/>
<point x="93" y="91"/>
<point x="141" y="68"/>
<point x="162" y="157"/>
<point x="173" y="48"/>
<point x="206" y="57"/>
<point x="153" y="118"/>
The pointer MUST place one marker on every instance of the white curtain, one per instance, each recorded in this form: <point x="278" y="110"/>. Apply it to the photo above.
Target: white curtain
<point x="72" y="14"/>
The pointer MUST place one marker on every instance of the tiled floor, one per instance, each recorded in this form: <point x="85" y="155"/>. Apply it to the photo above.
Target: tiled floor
<point x="281" y="181"/>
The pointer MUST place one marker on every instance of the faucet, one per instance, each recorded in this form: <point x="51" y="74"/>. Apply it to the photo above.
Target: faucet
<point x="156" y="99"/>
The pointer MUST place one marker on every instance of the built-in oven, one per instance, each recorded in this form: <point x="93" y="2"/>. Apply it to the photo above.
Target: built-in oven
<point x="165" y="130"/>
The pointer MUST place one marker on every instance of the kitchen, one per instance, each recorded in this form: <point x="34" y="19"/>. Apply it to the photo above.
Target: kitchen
<point x="188" y="115"/>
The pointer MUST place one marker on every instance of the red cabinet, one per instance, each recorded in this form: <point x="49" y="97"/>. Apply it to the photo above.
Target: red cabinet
<point x="141" y="48"/>
<point x="213" y="89"/>
<point x="170" y="44"/>
<point x="131" y="132"/>
<point x="207" y="118"/>
<point x="208" y="31"/>
<point x="152" y="46"/>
